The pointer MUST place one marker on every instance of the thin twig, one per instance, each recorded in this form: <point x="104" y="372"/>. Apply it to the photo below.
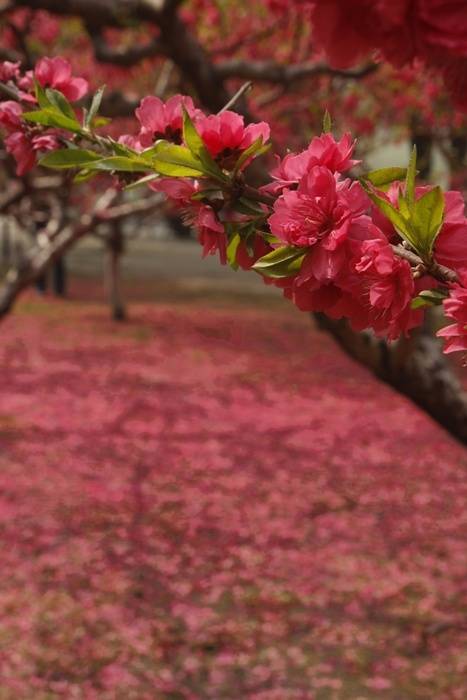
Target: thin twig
<point x="246" y="87"/>
<point x="440" y="272"/>
<point x="9" y="92"/>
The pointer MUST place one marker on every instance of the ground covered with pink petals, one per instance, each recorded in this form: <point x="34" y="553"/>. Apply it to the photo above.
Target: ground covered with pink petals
<point x="218" y="505"/>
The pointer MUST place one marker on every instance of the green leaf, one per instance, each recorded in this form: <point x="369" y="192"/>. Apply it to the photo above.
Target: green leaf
<point x="51" y="117"/>
<point x="282" y="262"/>
<point x="429" y="297"/>
<point x="84" y="175"/>
<point x="121" y="150"/>
<point x="385" y="176"/>
<point x="403" y="208"/>
<point x="100" y="121"/>
<point x="198" y="148"/>
<point x="190" y="135"/>
<point x="327" y="123"/>
<point x="256" y="149"/>
<point x="427" y="219"/>
<point x="68" y="158"/>
<point x="94" y="108"/>
<point x="410" y="179"/>
<point x="41" y="97"/>
<point x="60" y="102"/>
<point x="142" y="181"/>
<point x="206" y="193"/>
<point x="176" y="161"/>
<point x="119" y="164"/>
<point x="401" y="225"/>
<point x="232" y="250"/>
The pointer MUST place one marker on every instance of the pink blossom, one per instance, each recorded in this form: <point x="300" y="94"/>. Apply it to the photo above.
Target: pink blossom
<point x="56" y="73"/>
<point x="9" y="71"/>
<point x="211" y="233"/>
<point x="45" y="142"/>
<point x="323" y="150"/>
<point x="319" y="215"/>
<point x="163" y="120"/>
<point x="312" y="296"/>
<point x="455" y="307"/>
<point x="450" y="246"/>
<point x="387" y="285"/>
<point x="26" y="81"/>
<point x="432" y="31"/>
<point x="23" y="148"/>
<point x="180" y="190"/>
<point x="131" y="141"/>
<point x="225" y="134"/>
<point x="10" y="115"/>
<point x="346" y="31"/>
<point x="20" y="147"/>
<point x="247" y="255"/>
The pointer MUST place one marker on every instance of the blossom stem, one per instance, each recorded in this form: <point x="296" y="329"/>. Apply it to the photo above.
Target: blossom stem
<point x="242" y="91"/>
<point x="253" y="193"/>
<point x="439" y="272"/>
<point x="9" y="92"/>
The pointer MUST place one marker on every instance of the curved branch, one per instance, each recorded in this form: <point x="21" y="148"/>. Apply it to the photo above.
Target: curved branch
<point x="415" y="367"/>
<point x="41" y="256"/>
<point x="9" y="55"/>
<point x="272" y="72"/>
<point x="439" y="272"/>
<point x="124" y="57"/>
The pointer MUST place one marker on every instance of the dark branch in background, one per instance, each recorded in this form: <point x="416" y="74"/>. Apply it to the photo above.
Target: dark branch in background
<point x="124" y="57"/>
<point x="9" y="55"/>
<point x="14" y="193"/>
<point x="272" y="72"/>
<point x="180" y="45"/>
<point x="114" y="104"/>
<point x="9" y="92"/>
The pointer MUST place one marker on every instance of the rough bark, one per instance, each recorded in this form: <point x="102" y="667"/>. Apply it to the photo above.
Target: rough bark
<point x="415" y="367"/>
<point x="36" y="263"/>
<point x="41" y="256"/>
<point x="115" y="249"/>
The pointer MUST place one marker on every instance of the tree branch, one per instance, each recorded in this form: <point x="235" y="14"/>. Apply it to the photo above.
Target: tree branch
<point x="124" y="57"/>
<point x="439" y="272"/>
<point x="272" y="72"/>
<point x="416" y="367"/>
<point x="41" y="256"/>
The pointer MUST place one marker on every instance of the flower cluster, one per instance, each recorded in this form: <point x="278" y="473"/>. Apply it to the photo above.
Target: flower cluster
<point x="332" y="243"/>
<point x="349" y="267"/>
<point x="225" y="137"/>
<point x="347" y="262"/>
<point x="24" y="141"/>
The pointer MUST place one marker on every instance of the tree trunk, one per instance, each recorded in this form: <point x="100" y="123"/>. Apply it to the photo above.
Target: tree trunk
<point x="115" y="247"/>
<point x="415" y="367"/>
<point x="422" y="138"/>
